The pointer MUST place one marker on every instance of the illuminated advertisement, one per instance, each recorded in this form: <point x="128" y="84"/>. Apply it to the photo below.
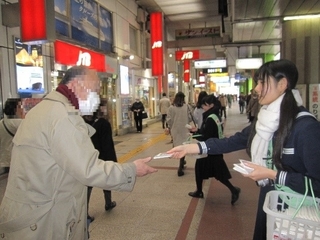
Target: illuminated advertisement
<point x="29" y="68"/>
<point x="184" y="55"/>
<point x="156" y="43"/>
<point x="68" y="54"/>
<point x="124" y="80"/>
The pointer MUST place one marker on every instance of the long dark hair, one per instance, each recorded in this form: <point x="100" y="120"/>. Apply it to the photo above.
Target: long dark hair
<point x="178" y="100"/>
<point x="202" y="94"/>
<point x="211" y="99"/>
<point x="288" y="109"/>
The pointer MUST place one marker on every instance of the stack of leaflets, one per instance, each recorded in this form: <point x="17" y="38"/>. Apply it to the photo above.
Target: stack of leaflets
<point x="162" y="155"/>
<point x="242" y="168"/>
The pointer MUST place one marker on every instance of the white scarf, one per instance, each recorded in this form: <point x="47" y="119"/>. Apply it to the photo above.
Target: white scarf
<point x="267" y="124"/>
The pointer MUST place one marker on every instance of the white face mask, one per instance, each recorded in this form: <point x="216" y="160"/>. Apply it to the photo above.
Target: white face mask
<point x="89" y="106"/>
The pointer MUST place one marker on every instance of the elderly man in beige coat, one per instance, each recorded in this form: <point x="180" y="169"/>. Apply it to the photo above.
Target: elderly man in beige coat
<point x="53" y="160"/>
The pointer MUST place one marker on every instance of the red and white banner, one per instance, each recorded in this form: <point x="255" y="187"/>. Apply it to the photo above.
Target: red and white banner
<point x="71" y="55"/>
<point x="186" y="68"/>
<point x="183" y="55"/>
<point x="156" y="23"/>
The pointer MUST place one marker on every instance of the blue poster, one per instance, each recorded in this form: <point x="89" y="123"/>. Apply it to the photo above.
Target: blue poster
<point x="84" y="23"/>
<point x="106" y="30"/>
<point x="60" y="7"/>
<point x="61" y="26"/>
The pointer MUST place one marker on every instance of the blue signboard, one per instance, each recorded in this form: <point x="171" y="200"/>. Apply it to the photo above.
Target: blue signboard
<point x="84" y="23"/>
<point x="62" y="27"/>
<point x="106" y="30"/>
<point x="90" y="23"/>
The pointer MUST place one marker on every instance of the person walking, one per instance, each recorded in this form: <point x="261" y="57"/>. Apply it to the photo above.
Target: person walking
<point x="283" y="141"/>
<point x="242" y="103"/>
<point x="212" y="165"/>
<point x="53" y="161"/>
<point x="13" y="114"/>
<point x="224" y="102"/>
<point x="198" y="111"/>
<point x="137" y="108"/>
<point x="230" y="100"/>
<point x="253" y="107"/>
<point x="102" y="141"/>
<point x="179" y="114"/>
<point x="164" y="105"/>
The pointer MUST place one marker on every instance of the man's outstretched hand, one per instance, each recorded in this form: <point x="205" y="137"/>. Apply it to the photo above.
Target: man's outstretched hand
<point x="142" y="167"/>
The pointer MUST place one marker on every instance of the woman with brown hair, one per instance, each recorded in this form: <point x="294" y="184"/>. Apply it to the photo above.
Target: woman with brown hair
<point x="179" y="114"/>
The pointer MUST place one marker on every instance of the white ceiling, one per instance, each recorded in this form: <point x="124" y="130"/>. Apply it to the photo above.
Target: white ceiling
<point x="250" y="23"/>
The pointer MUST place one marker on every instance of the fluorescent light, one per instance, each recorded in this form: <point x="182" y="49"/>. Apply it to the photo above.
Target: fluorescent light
<point x="249" y="63"/>
<point x="301" y="17"/>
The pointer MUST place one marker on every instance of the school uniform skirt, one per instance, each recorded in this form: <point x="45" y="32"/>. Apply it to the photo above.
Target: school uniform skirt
<point x="212" y="166"/>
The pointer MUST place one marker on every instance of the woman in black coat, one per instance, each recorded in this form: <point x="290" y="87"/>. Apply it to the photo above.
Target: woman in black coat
<point x="103" y="142"/>
<point x="137" y="108"/>
<point x="212" y="165"/>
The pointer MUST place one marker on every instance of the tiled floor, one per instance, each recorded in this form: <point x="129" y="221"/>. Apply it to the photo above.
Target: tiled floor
<point x="159" y="206"/>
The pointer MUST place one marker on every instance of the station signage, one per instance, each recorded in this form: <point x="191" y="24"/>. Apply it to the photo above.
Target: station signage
<point x="67" y="54"/>
<point x="217" y="63"/>
<point x="249" y="63"/>
<point x="215" y="70"/>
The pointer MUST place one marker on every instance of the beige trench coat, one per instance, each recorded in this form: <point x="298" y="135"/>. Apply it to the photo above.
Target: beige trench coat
<point x="53" y="160"/>
<point x="177" y="119"/>
<point x="6" y="139"/>
<point x="164" y="105"/>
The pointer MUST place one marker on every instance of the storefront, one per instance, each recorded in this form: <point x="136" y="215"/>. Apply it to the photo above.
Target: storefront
<point x="145" y="89"/>
<point x="68" y="55"/>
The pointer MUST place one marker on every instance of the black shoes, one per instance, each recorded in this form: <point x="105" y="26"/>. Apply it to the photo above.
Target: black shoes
<point x="180" y="173"/>
<point x="182" y="165"/>
<point x="196" y="194"/>
<point x="90" y="218"/>
<point x="235" y="195"/>
<point x="110" y="206"/>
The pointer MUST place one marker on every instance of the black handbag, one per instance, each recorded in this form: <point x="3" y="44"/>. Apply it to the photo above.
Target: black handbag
<point x="144" y="115"/>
